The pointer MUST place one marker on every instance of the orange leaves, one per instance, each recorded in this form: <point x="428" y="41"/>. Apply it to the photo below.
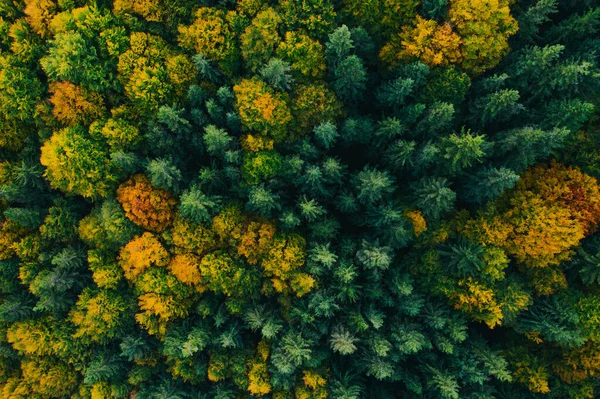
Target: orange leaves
<point x="186" y="268"/>
<point x="142" y="253"/>
<point x="232" y="257"/>
<point x="550" y="211"/>
<point x="74" y="104"/>
<point x="146" y="206"/>
<point x="256" y="240"/>
<point x="568" y="187"/>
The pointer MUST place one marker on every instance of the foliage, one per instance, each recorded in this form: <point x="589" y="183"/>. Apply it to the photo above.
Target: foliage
<point x="300" y="199"/>
<point x="78" y="164"/>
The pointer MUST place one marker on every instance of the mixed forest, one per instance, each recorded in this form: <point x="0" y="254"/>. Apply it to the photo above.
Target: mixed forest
<point x="299" y="199"/>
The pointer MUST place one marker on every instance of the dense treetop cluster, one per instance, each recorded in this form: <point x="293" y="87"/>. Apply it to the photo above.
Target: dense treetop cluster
<point x="299" y="199"/>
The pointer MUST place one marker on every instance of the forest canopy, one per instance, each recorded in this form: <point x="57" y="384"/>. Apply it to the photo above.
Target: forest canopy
<point x="299" y="199"/>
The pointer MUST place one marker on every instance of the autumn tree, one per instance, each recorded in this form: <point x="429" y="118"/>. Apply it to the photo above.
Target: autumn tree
<point x="260" y="39"/>
<point x="211" y="36"/>
<point x="146" y="206"/>
<point x="261" y="109"/>
<point x="484" y="27"/>
<point x="73" y="105"/>
<point x="427" y="41"/>
<point x="78" y="164"/>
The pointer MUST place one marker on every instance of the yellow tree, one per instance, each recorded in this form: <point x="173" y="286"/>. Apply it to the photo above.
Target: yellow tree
<point x="152" y="73"/>
<point x="261" y="109"/>
<point x="100" y="315"/>
<point x="211" y="36"/>
<point x="484" y="27"/>
<point x="427" y="41"/>
<point x="74" y="105"/>
<point x="305" y="56"/>
<point x="78" y="164"/>
<point x="543" y="232"/>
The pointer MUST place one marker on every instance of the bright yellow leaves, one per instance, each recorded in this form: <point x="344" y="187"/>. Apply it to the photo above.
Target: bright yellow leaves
<point x="261" y="109"/>
<point x="313" y="386"/>
<point x="476" y="37"/>
<point x="78" y="164"/>
<point x="40" y="337"/>
<point x="530" y="372"/>
<point x="259" y="380"/>
<point x="427" y="41"/>
<point x="418" y="222"/>
<point x="484" y="26"/>
<point x="542" y="232"/>
<point x="142" y="253"/>
<point x="146" y="206"/>
<point x="186" y="268"/>
<point x="473" y="297"/>
<point x="282" y="263"/>
<point x="49" y="377"/>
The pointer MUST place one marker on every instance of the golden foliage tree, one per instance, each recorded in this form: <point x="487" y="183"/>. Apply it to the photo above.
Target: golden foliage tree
<point x="484" y="27"/>
<point x="427" y="41"/>
<point x="73" y="105"/>
<point x="211" y="36"/>
<point x="140" y="254"/>
<point x="146" y="206"/>
<point x="261" y="109"/>
<point x="78" y="164"/>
